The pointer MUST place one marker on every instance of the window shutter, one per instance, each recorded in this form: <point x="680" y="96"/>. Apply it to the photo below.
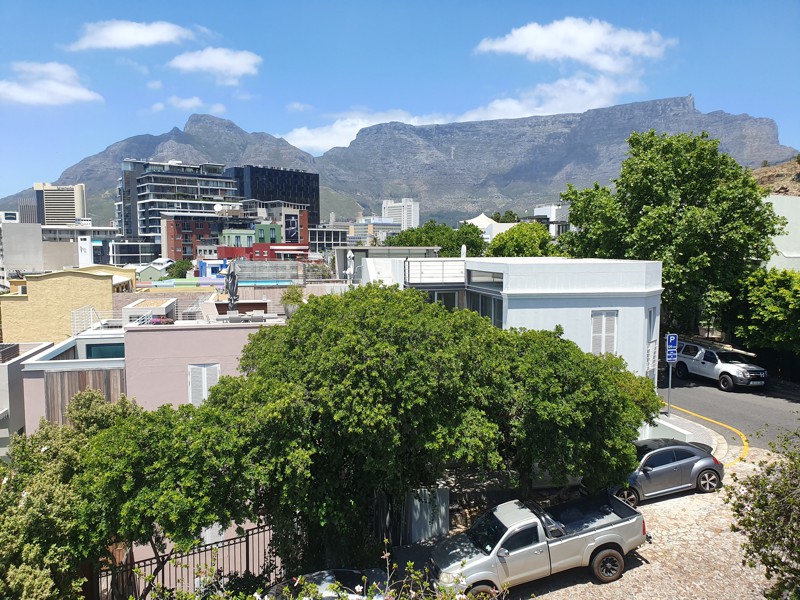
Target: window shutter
<point x="597" y="333"/>
<point x="604" y="331"/>
<point x="201" y="379"/>
<point x="610" y="338"/>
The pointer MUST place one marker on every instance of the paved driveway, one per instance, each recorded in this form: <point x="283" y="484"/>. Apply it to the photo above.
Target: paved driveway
<point x="694" y="554"/>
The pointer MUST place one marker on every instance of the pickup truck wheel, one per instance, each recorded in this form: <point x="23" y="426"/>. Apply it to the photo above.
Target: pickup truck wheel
<point x="725" y="383"/>
<point x="628" y="496"/>
<point x="481" y="590"/>
<point x="707" y="481"/>
<point x="607" y="565"/>
<point x="681" y="371"/>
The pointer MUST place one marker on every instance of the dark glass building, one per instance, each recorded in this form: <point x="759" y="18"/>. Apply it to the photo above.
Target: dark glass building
<point x="268" y="184"/>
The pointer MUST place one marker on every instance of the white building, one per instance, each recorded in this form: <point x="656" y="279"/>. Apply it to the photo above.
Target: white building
<point x="404" y="211"/>
<point x="602" y="305"/>
<point x="787" y="246"/>
<point x="60" y="204"/>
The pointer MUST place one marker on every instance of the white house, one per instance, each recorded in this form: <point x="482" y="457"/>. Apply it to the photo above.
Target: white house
<point x="602" y="305"/>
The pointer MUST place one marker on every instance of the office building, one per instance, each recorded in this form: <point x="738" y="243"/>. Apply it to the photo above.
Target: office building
<point x="405" y="212"/>
<point x="276" y="184"/>
<point x="60" y="204"/>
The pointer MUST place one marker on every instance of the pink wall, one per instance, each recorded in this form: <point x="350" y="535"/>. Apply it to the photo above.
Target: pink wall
<point x="157" y="358"/>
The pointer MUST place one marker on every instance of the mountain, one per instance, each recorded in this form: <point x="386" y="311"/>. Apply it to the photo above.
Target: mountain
<point x="454" y="169"/>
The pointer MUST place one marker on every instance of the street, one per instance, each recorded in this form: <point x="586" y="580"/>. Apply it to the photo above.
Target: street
<point x="761" y="414"/>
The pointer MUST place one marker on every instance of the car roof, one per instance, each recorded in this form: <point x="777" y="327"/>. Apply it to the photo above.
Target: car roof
<point x="645" y="446"/>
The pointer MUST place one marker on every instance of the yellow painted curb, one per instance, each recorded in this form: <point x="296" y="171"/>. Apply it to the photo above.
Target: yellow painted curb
<point x="745" y="443"/>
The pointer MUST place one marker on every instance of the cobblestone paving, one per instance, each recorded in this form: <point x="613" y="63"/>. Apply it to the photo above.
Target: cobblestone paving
<point x="694" y="554"/>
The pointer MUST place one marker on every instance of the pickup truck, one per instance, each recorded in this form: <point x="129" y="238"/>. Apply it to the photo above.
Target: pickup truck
<point x="728" y="368"/>
<point x="517" y="542"/>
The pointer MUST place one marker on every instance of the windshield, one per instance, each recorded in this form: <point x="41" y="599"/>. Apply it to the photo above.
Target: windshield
<point x="732" y="357"/>
<point x="486" y="532"/>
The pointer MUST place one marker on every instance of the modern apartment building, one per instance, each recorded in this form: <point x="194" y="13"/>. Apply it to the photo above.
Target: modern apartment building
<point x="276" y="184"/>
<point x="147" y="189"/>
<point x="404" y="211"/>
<point x="60" y="204"/>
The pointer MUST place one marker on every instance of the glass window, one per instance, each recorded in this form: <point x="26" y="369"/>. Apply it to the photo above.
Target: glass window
<point x="522" y="539"/>
<point x="659" y="459"/>
<point x="105" y="350"/>
<point x="681" y="454"/>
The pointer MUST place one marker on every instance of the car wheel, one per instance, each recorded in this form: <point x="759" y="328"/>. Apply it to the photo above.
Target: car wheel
<point x="481" y="590"/>
<point x="681" y="372"/>
<point x="607" y="565"/>
<point x="628" y="496"/>
<point x="708" y="481"/>
<point x="725" y="383"/>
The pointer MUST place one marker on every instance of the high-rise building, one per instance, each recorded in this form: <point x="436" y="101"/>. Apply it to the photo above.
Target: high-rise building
<point x="405" y="212"/>
<point x="273" y="184"/>
<point x="60" y="204"/>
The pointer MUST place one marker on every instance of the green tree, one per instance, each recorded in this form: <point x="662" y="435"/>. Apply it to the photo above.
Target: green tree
<point x="523" y="239"/>
<point x="768" y="310"/>
<point x="45" y="536"/>
<point x="507" y="217"/>
<point x="766" y="508"/>
<point x="373" y="393"/>
<point x="448" y="239"/>
<point x="178" y="270"/>
<point x="681" y="201"/>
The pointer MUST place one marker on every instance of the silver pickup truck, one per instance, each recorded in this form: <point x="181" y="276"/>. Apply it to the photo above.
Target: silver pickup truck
<point x="724" y="365"/>
<point x="517" y="542"/>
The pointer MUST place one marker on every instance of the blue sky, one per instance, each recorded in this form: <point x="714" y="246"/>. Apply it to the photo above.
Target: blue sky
<point x="78" y="76"/>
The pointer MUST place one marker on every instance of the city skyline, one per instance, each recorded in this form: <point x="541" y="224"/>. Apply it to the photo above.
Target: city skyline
<point x="81" y="76"/>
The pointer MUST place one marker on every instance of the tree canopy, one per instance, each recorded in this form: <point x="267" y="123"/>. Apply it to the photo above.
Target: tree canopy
<point x="681" y="201"/>
<point x="523" y="239"/>
<point x="178" y="269"/>
<point x="507" y="217"/>
<point x="766" y="508"/>
<point x="439" y="234"/>
<point x="375" y="392"/>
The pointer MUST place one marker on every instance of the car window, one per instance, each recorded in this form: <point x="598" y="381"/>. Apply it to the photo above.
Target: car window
<point x="709" y="356"/>
<point x="486" y="532"/>
<point x="732" y="357"/>
<point x="660" y="458"/>
<point x="521" y="539"/>
<point x="681" y="454"/>
<point x="690" y="350"/>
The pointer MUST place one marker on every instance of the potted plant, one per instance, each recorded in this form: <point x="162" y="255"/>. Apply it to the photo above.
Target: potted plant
<point x="291" y="298"/>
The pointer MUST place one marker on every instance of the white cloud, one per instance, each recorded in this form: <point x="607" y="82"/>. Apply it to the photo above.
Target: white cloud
<point x="157" y="107"/>
<point x="185" y="103"/>
<point x="594" y="43"/>
<point x="138" y="67"/>
<point x="217" y="109"/>
<point x="45" y="84"/>
<point x="298" y="107"/>
<point x="154" y="84"/>
<point x="129" y="34"/>
<point x="226" y="65"/>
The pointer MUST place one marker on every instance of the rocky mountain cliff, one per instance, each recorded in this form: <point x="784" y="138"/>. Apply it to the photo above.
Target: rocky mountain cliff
<point x="454" y="169"/>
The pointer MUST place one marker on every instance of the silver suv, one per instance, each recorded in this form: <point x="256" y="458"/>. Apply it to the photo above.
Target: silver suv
<point x="728" y="367"/>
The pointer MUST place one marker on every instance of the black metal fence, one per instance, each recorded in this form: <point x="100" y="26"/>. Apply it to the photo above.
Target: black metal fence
<point x="192" y="570"/>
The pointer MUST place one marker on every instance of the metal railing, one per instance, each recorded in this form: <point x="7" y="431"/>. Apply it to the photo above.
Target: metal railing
<point x="189" y="571"/>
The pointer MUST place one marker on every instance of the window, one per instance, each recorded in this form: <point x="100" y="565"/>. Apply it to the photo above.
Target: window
<point x="681" y="454"/>
<point x="689" y="350"/>
<point x="522" y="539"/>
<point x="659" y="459"/>
<point x="201" y="379"/>
<point x="604" y="331"/>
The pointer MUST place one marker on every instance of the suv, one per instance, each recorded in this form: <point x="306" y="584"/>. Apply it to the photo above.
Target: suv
<point x="728" y="367"/>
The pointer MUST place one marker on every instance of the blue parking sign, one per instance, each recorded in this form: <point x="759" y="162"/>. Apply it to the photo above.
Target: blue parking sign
<point x="672" y="347"/>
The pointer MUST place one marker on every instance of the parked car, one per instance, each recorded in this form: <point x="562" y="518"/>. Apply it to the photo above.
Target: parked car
<point x="729" y="368"/>
<point x="668" y="466"/>
<point x="335" y="583"/>
<point x="517" y="542"/>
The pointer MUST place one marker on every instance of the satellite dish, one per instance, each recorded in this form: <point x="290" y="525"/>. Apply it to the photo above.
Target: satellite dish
<point x="217" y="207"/>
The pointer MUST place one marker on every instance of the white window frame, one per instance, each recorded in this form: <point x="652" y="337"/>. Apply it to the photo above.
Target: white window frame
<point x="201" y="379"/>
<point x="604" y="331"/>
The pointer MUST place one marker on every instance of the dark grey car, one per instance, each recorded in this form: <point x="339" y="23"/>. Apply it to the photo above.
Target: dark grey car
<point x="668" y="466"/>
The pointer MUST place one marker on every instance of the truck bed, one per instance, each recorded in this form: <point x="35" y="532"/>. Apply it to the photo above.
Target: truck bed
<point x="587" y="513"/>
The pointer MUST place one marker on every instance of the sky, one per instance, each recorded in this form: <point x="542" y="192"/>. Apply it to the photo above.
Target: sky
<point x="78" y="76"/>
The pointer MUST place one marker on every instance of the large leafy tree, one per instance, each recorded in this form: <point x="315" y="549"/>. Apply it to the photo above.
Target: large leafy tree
<point x="439" y="234"/>
<point x="766" y="508"/>
<point x="373" y="393"/>
<point x="681" y="201"/>
<point x="45" y="536"/>
<point x="524" y="239"/>
<point x="178" y="269"/>
<point x="768" y="310"/>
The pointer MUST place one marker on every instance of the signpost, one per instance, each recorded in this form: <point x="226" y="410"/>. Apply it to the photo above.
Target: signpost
<point x="672" y="358"/>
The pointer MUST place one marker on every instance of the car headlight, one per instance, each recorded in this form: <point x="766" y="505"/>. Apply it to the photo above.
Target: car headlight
<point x="449" y="578"/>
<point x="743" y="373"/>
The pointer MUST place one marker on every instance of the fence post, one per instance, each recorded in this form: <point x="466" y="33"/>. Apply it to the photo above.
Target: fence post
<point x="247" y="550"/>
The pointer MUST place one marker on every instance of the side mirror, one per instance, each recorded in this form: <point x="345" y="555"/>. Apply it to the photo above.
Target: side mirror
<point x="646" y="469"/>
<point x="502" y="553"/>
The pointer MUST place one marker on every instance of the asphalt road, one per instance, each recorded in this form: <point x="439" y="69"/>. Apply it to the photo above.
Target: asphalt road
<point x="761" y="414"/>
